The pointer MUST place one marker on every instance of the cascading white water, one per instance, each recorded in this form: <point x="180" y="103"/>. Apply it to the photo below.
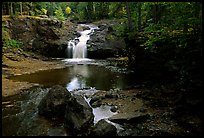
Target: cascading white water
<point x="70" y="46"/>
<point x="79" y="50"/>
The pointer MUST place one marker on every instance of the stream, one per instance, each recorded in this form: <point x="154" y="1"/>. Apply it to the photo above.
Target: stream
<point x="21" y="110"/>
<point x="81" y="76"/>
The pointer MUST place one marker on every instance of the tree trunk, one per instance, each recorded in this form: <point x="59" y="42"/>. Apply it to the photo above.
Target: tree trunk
<point x="129" y="17"/>
<point x="115" y="11"/>
<point x="90" y="10"/>
<point x="139" y="16"/>
<point x="11" y="8"/>
<point x="21" y="7"/>
<point x="31" y="7"/>
<point x="7" y="8"/>
<point x="155" y="13"/>
<point x="94" y="9"/>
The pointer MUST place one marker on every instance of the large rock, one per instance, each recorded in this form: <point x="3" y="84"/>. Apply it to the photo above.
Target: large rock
<point x="54" y="103"/>
<point x="53" y="37"/>
<point x="105" y="43"/>
<point x="103" y="128"/>
<point x="78" y="115"/>
<point x="60" y="103"/>
<point x="131" y="118"/>
<point x="44" y="36"/>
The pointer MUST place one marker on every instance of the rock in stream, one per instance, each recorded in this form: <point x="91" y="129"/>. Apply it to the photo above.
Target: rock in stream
<point x="59" y="102"/>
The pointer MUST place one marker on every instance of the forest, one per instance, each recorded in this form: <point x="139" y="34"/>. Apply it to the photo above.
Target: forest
<point x="141" y="59"/>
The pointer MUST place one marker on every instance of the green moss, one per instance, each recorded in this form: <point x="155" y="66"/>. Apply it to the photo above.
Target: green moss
<point x="5" y="35"/>
<point x="15" y="43"/>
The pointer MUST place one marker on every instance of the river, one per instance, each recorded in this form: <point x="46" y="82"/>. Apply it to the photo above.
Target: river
<point x="19" y="112"/>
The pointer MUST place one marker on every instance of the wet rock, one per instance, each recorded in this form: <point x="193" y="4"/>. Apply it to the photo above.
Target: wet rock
<point x="114" y="108"/>
<point x="143" y="110"/>
<point x="104" y="43"/>
<point x="78" y="115"/>
<point x="43" y="36"/>
<point x="57" y="132"/>
<point x="111" y="95"/>
<point x="162" y="133"/>
<point x="81" y="28"/>
<point x="96" y="100"/>
<point x="85" y="28"/>
<point x="54" y="103"/>
<point x="103" y="128"/>
<point x="96" y="104"/>
<point x="102" y="27"/>
<point x="132" y="118"/>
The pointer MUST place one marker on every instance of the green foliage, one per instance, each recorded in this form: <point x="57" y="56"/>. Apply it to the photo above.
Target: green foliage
<point x="5" y="35"/>
<point x="51" y="9"/>
<point x="81" y="10"/>
<point x="44" y="11"/>
<point x="14" y="43"/>
<point x="59" y="14"/>
<point x="14" y="15"/>
<point x="32" y="13"/>
<point x="121" y="29"/>
<point x="186" y="16"/>
<point x="6" y="39"/>
<point x="11" y="43"/>
<point x="38" y="12"/>
<point x="115" y="9"/>
<point x="102" y="10"/>
<point x="68" y="10"/>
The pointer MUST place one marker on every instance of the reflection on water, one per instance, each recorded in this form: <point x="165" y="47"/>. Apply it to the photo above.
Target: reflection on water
<point x="77" y="81"/>
<point x="102" y="112"/>
<point x="22" y="118"/>
<point x="75" y="84"/>
<point x="78" y="77"/>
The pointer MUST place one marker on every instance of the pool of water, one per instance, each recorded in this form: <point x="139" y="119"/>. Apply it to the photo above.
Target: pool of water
<point x="20" y="114"/>
<point x="79" y="77"/>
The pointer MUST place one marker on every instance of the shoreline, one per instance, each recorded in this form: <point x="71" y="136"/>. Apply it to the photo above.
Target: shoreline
<point x="18" y="64"/>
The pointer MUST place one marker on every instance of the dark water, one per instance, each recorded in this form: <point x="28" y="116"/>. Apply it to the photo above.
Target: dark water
<point x="20" y="114"/>
<point x="80" y="76"/>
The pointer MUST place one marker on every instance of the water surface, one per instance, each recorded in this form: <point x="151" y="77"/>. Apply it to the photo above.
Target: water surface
<point x="78" y="77"/>
<point x="20" y="114"/>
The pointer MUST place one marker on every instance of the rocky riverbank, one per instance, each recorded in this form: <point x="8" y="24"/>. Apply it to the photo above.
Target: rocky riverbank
<point x="140" y="110"/>
<point x="105" y="42"/>
<point x="148" y="109"/>
<point x="17" y="62"/>
<point x="45" y="36"/>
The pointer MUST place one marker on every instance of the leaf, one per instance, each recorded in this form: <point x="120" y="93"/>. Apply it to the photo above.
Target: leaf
<point x="68" y="10"/>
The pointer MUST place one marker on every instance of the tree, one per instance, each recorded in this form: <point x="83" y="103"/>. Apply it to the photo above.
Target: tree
<point x="59" y="13"/>
<point x="114" y="9"/>
<point x="101" y="10"/>
<point x="44" y="11"/>
<point x="21" y="7"/>
<point x="11" y="4"/>
<point x="68" y="10"/>
<point x="51" y="8"/>
<point x="130" y="27"/>
<point x="139" y="15"/>
<point x="90" y="11"/>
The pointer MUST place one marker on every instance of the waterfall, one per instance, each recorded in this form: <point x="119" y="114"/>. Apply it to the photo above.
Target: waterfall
<point x="70" y="47"/>
<point x="78" y="50"/>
